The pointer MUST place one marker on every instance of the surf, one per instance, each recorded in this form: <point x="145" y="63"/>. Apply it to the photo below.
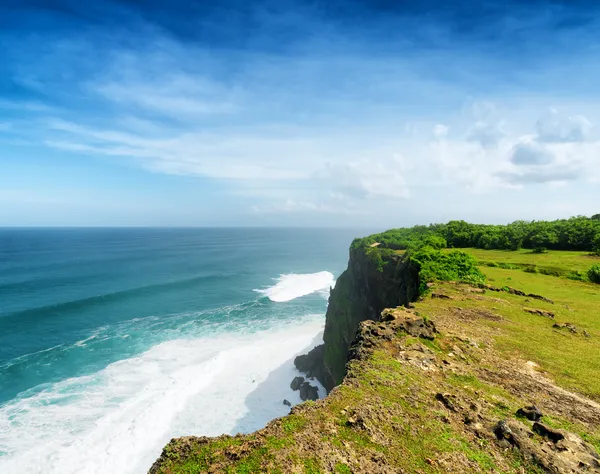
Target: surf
<point x="118" y="419"/>
<point x="291" y="286"/>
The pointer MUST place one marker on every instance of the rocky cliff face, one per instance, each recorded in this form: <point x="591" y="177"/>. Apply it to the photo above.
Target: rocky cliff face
<point x="374" y="280"/>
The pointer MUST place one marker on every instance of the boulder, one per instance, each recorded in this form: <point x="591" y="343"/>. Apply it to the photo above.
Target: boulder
<point x="311" y="364"/>
<point x="531" y="413"/>
<point x="553" y="435"/>
<point x="287" y="403"/>
<point x="308" y="392"/>
<point x="540" y="312"/>
<point x="296" y="383"/>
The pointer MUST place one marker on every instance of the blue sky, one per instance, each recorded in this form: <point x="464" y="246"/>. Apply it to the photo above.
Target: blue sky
<point x="371" y="113"/>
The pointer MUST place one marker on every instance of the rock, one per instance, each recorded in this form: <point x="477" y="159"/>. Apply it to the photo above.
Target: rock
<point x="409" y="323"/>
<point x="308" y="392"/>
<point x="541" y="298"/>
<point x="540" y="312"/>
<point x="569" y="326"/>
<point x="312" y="363"/>
<point x="503" y="432"/>
<point x="287" y="403"/>
<point x="446" y="400"/>
<point x="441" y="296"/>
<point x="531" y="413"/>
<point x="553" y="435"/>
<point x="296" y="383"/>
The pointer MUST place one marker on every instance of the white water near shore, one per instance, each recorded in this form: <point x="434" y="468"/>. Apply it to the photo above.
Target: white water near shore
<point x="291" y="286"/>
<point x="118" y="419"/>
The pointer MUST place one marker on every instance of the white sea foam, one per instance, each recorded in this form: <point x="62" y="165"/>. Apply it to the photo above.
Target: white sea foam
<point x="292" y="286"/>
<point x="118" y="419"/>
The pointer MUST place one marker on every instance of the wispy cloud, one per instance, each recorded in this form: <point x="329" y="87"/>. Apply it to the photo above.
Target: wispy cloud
<point x="336" y="121"/>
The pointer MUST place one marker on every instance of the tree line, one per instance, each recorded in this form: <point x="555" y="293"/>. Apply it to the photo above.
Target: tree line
<point x="576" y="233"/>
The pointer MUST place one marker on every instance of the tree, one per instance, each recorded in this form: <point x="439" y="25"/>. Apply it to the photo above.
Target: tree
<point x="542" y="240"/>
<point x="596" y="244"/>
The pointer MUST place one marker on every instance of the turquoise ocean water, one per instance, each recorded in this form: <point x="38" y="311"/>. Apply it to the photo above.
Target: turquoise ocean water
<point x="112" y="341"/>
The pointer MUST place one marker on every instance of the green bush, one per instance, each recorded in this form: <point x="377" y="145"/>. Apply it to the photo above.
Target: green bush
<point x="447" y="266"/>
<point x="594" y="274"/>
<point x="531" y="269"/>
<point x="576" y="275"/>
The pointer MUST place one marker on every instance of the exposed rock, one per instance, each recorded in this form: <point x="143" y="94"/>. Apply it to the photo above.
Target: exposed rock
<point x="287" y="403"/>
<point x="540" y="312"/>
<point x="296" y="383"/>
<point x="569" y="326"/>
<point x="308" y="392"/>
<point x="441" y="296"/>
<point x="553" y="435"/>
<point x="410" y="323"/>
<point x="541" y="298"/>
<point x="531" y="413"/>
<point x="361" y="293"/>
<point x="514" y="291"/>
<point x="446" y="400"/>
<point x="312" y="363"/>
<point x="504" y="433"/>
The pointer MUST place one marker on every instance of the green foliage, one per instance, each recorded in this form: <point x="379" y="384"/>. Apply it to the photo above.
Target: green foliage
<point x="342" y="468"/>
<point x="596" y="244"/>
<point x="576" y="233"/>
<point x="594" y="274"/>
<point x="435" y="241"/>
<point x="446" y="266"/>
<point x="576" y="275"/>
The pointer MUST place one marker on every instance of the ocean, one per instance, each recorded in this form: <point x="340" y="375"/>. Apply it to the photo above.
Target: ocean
<point x="113" y="341"/>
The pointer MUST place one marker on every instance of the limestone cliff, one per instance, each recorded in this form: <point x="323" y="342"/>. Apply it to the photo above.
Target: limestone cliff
<point x="374" y="280"/>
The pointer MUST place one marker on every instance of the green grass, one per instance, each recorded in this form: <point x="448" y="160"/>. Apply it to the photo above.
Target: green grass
<point x="571" y="359"/>
<point x="566" y="264"/>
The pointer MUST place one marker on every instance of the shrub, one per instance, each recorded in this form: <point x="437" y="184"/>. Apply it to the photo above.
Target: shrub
<point x="447" y="266"/>
<point x="436" y="242"/>
<point x="531" y="269"/>
<point x="594" y="274"/>
<point x="576" y="275"/>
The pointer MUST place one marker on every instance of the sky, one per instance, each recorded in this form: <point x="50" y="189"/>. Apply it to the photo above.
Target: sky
<point x="297" y="113"/>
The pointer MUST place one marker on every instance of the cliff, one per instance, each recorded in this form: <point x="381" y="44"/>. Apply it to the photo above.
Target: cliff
<point x="375" y="279"/>
<point x="500" y="378"/>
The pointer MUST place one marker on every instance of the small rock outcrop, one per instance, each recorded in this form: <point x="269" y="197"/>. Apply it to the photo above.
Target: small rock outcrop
<point x="540" y="312"/>
<point x="287" y="403"/>
<point x="312" y="363"/>
<point x="296" y="383"/>
<point x="532" y="413"/>
<point x="308" y="392"/>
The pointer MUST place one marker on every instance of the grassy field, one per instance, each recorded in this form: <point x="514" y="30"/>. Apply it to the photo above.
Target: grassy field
<point x="569" y="264"/>
<point x="573" y="361"/>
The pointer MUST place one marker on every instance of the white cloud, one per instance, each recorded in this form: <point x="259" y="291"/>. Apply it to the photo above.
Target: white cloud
<point x="291" y="206"/>
<point x="529" y="152"/>
<point x="558" y="128"/>
<point x="177" y="97"/>
<point x="487" y="134"/>
<point x="378" y="177"/>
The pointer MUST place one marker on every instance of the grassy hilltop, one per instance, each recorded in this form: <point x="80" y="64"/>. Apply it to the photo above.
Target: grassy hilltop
<point x="439" y="385"/>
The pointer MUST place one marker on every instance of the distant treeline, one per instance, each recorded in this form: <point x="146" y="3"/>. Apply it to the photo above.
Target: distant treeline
<point x="576" y="233"/>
